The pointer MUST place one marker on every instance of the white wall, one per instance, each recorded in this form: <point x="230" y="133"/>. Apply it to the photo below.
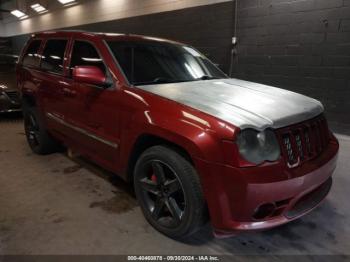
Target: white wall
<point x="97" y="11"/>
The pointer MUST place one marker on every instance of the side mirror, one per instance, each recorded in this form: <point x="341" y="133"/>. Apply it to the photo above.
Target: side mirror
<point x="90" y="75"/>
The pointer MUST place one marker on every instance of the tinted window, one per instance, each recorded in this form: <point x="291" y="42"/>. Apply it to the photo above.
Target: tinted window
<point x="31" y="56"/>
<point x="85" y="54"/>
<point x="53" y="56"/>
<point x="159" y="62"/>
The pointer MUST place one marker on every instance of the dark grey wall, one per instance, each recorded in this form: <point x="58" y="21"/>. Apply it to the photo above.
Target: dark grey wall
<point x="17" y="43"/>
<point x="301" y="45"/>
<point x="5" y="45"/>
<point x="208" y="28"/>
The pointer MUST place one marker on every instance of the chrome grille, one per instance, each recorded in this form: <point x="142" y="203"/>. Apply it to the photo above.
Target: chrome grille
<point x="289" y="149"/>
<point x="307" y="141"/>
<point x="299" y="145"/>
<point x="304" y="141"/>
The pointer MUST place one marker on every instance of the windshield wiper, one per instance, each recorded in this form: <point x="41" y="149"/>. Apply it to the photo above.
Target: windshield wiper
<point x="159" y="80"/>
<point x="207" y="77"/>
<point x="164" y="80"/>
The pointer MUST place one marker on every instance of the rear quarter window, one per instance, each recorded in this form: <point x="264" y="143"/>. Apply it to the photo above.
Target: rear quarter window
<point x="53" y="56"/>
<point x="31" y="56"/>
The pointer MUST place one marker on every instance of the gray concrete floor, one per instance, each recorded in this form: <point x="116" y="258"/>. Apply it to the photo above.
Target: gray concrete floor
<point x="55" y="205"/>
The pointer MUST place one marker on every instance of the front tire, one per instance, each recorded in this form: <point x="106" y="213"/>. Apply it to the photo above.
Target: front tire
<point x="39" y="140"/>
<point x="169" y="192"/>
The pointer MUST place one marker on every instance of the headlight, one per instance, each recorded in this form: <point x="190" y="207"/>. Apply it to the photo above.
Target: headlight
<point x="257" y="147"/>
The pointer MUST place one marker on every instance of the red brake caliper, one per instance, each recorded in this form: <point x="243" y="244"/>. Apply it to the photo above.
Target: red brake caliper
<point x="154" y="178"/>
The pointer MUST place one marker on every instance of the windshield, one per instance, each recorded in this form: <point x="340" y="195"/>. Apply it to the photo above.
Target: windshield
<point x="146" y="63"/>
<point x="7" y="63"/>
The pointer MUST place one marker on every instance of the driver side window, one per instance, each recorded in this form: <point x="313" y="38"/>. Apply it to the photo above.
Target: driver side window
<point x="85" y="54"/>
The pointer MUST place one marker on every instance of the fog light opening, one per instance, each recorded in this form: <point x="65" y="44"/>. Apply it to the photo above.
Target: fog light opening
<point x="264" y="211"/>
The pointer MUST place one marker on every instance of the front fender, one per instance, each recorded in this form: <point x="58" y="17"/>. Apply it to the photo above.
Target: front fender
<point x="195" y="135"/>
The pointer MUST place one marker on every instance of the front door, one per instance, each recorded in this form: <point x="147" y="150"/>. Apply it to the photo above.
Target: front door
<point x="95" y="116"/>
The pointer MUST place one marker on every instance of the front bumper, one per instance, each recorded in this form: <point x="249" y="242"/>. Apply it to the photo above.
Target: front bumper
<point x="10" y="102"/>
<point x="235" y="194"/>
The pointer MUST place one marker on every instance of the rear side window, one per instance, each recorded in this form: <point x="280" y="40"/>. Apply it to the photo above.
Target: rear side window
<point x="85" y="54"/>
<point x="53" y="56"/>
<point x="31" y="56"/>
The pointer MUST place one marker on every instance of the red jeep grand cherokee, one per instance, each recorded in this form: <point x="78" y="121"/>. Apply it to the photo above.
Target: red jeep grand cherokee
<point x="192" y="140"/>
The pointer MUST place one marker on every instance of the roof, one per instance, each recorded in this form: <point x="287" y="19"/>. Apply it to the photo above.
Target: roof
<point x="102" y="35"/>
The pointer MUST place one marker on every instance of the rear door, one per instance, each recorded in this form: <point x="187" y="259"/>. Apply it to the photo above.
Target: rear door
<point x="28" y="69"/>
<point x="53" y="81"/>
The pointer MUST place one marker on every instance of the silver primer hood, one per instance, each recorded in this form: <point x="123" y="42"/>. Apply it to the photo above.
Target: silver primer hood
<point x="241" y="103"/>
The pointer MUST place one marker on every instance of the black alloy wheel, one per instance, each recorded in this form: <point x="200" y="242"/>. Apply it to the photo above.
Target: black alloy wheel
<point x="39" y="140"/>
<point x="169" y="192"/>
<point x="163" y="193"/>
<point x="32" y="130"/>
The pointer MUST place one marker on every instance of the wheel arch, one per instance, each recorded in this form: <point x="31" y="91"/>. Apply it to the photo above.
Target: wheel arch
<point x="28" y="101"/>
<point x="147" y="140"/>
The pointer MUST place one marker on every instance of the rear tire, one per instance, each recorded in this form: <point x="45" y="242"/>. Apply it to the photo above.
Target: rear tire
<point x="39" y="140"/>
<point x="169" y="192"/>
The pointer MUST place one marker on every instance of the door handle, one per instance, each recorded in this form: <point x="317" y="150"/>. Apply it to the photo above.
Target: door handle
<point x="69" y="93"/>
<point x="36" y="81"/>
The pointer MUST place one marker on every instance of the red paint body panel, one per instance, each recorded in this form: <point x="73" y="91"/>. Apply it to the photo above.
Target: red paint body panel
<point x="122" y="113"/>
<point x="235" y="193"/>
